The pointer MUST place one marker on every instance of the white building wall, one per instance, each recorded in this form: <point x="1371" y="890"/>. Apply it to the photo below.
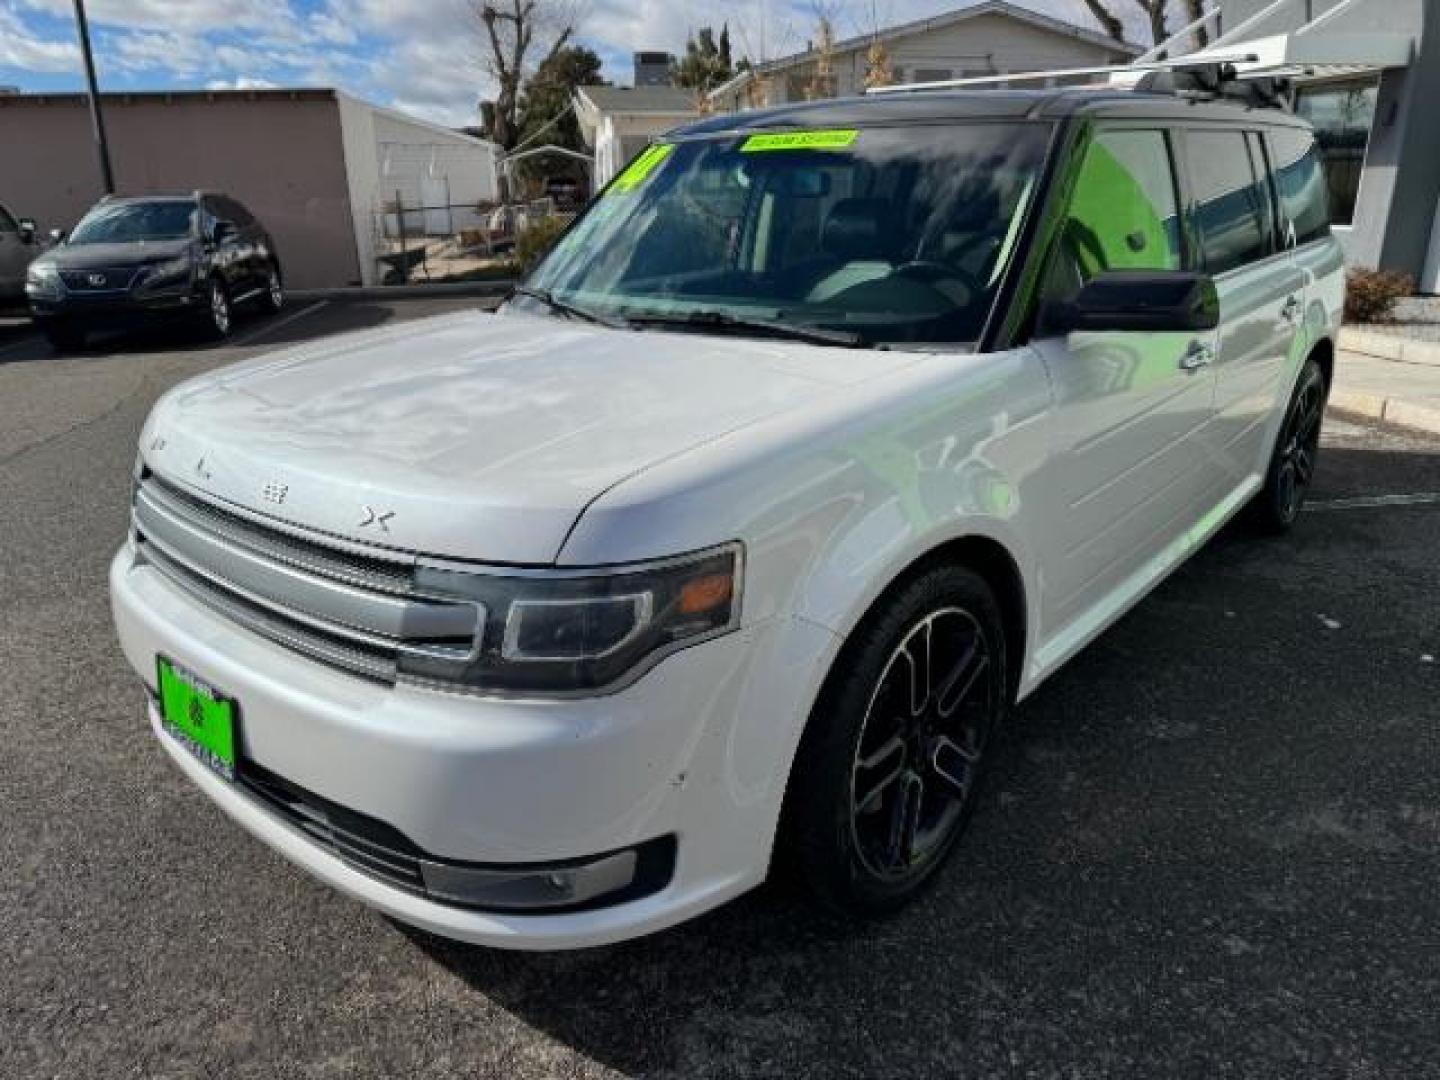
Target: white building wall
<point x="388" y="152"/>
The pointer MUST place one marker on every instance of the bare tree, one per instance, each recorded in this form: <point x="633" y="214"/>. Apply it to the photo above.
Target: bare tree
<point x="514" y="31"/>
<point x="1193" y="10"/>
<point x="1112" y="25"/>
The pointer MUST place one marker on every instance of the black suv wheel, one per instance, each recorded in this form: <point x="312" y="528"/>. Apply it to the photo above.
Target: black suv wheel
<point x="1297" y="450"/>
<point x="890" y="766"/>
<point x="219" y="314"/>
<point x="274" y="297"/>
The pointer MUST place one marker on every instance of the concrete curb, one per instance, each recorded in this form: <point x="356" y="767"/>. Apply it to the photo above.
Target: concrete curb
<point x="1393" y="411"/>
<point x="435" y="290"/>
<point x="1389" y="346"/>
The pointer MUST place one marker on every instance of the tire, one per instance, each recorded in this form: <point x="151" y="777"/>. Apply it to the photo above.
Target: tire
<point x="876" y="803"/>
<point x="63" y="337"/>
<point x="219" y="317"/>
<point x="273" y="295"/>
<point x="1296" y="452"/>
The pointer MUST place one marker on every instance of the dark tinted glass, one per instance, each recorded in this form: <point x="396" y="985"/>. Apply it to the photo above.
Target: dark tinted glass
<point x="237" y="213"/>
<point x="7" y="223"/>
<point x="1123" y="213"/>
<point x="119" y="223"/>
<point x="893" y="234"/>
<point x="1342" y="114"/>
<point x="1301" y="183"/>
<point x="1231" y="200"/>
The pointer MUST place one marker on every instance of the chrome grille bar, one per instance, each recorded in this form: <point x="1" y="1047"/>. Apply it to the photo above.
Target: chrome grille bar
<point x="348" y="610"/>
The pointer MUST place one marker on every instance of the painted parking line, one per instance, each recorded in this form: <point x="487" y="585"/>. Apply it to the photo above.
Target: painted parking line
<point x="276" y="324"/>
<point x="1367" y="502"/>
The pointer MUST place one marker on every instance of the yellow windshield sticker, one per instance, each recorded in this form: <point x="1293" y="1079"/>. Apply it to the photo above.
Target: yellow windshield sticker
<point x="800" y="140"/>
<point x="640" y="170"/>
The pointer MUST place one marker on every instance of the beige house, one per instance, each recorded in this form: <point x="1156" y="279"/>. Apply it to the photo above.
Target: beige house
<point x="989" y="38"/>
<point x="617" y="122"/>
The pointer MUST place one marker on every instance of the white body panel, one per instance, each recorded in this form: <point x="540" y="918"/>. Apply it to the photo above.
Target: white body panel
<point x="1096" y="465"/>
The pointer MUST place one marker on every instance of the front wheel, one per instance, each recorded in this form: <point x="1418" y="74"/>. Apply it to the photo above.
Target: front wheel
<point x="1297" y="449"/>
<point x="890" y="766"/>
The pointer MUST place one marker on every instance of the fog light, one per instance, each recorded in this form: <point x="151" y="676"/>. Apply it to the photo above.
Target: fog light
<point x="529" y="889"/>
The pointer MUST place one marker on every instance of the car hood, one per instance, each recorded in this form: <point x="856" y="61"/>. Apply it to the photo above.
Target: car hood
<point x="85" y="256"/>
<point x="475" y="436"/>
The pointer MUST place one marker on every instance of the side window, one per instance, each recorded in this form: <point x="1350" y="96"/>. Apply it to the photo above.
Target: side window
<point x="1301" y="184"/>
<point x="7" y="223"/>
<point x="1261" y="167"/>
<point x="1123" y="213"/>
<point x="1232" y="199"/>
<point x="242" y="218"/>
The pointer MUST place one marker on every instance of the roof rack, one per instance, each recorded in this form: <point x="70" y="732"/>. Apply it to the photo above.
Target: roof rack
<point x="1198" y="78"/>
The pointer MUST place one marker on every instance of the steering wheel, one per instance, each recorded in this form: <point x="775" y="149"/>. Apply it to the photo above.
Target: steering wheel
<point x="928" y="270"/>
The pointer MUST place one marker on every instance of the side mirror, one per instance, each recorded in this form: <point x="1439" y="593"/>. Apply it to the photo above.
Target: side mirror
<point x="1151" y="301"/>
<point x="27" y="230"/>
<point x="222" y="231"/>
<point x="57" y="236"/>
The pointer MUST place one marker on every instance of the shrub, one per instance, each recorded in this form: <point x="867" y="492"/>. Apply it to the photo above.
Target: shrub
<point x="1371" y="295"/>
<point x="536" y="239"/>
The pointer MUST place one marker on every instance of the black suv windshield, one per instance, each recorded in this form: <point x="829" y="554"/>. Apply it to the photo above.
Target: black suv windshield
<point x="122" y="223"/>
<point x="892" y="235"/>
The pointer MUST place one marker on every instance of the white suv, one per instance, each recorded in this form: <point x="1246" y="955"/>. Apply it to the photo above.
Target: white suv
<point x="823" y="437"/>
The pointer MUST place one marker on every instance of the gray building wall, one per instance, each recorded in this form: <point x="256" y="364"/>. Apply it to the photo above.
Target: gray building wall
<point x="277" y="152"/>
<point x="1399" y="197"/>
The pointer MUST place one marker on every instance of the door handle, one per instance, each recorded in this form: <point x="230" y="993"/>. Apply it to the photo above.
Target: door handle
<point x="1197" y="356"/>
<point x="1291" y="308"/>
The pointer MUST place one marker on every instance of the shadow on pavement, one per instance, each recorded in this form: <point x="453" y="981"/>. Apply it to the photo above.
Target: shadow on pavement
<point x="1208" y="844"/>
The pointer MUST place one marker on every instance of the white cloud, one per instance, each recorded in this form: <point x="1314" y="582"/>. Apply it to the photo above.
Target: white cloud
<point x="21" y="49"/>
<point x="178" y="54"/>
<point x="173" y="15"/>
<point x="244" y="82"/>
<point x="426" y="56"/>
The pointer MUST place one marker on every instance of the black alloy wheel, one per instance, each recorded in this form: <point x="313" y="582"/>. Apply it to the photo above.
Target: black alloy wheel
<point x="889" y="770"/>
<point x="1297" y="450"/>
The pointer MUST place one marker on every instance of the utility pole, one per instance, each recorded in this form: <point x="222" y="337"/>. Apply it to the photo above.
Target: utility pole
<point x="97" y="119"/>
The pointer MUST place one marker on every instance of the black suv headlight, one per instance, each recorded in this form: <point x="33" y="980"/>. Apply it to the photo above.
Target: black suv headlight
<point x="579" y="631"/>
<point x="42" y="281"/>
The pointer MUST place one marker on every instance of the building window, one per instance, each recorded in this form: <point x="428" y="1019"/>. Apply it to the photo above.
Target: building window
<point x="924" y="75"/>
<point x="1341" y="113"/>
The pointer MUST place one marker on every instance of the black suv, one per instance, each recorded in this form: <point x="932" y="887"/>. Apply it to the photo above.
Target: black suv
<point x="133" y="260"/>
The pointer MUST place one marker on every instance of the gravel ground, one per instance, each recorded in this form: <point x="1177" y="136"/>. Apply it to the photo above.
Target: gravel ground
<point x="1209" y="847"/>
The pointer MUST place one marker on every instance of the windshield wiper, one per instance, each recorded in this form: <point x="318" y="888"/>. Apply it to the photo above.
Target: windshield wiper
<point x="546" y="297"/>
<point x="724" y="320"/>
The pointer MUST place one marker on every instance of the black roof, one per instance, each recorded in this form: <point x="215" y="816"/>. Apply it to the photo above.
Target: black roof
<point x="928" y="106"/>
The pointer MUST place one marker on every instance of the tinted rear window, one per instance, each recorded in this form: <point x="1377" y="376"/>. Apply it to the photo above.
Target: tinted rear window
<point x="1301" y="183"/>
<point x="1232" y="199"/>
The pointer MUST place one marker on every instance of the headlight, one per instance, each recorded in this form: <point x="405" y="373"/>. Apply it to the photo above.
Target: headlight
<point x="570" y="631"/>
<point x="42" y="280"/>
<point x="171" y="269"/>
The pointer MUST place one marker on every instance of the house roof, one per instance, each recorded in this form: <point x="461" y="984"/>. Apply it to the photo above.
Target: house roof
<point x="660" y="100"/>
<point x="940" y="22"/>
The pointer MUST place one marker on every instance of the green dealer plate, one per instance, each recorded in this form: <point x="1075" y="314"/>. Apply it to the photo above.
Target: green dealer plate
<point x="199" y="716"/>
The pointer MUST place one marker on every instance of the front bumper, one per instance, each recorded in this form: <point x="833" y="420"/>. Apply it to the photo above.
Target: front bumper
<point x="689" y="752"/>
<point x="116" y="310"/>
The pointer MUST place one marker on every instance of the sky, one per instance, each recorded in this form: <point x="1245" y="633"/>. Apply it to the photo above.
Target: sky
<point x="422" y="56"/>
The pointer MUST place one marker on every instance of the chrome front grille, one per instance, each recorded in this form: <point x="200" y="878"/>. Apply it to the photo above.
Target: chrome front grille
<point x="99" y="279"/>
<point x="337" y="603"/>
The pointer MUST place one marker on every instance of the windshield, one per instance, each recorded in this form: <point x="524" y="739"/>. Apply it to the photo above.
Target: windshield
<point x="123" y="223"/>
<point x="895" y="235"/>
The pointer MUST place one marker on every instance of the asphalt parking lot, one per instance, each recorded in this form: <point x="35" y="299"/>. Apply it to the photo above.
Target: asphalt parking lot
<point x="1210" y="847"/>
